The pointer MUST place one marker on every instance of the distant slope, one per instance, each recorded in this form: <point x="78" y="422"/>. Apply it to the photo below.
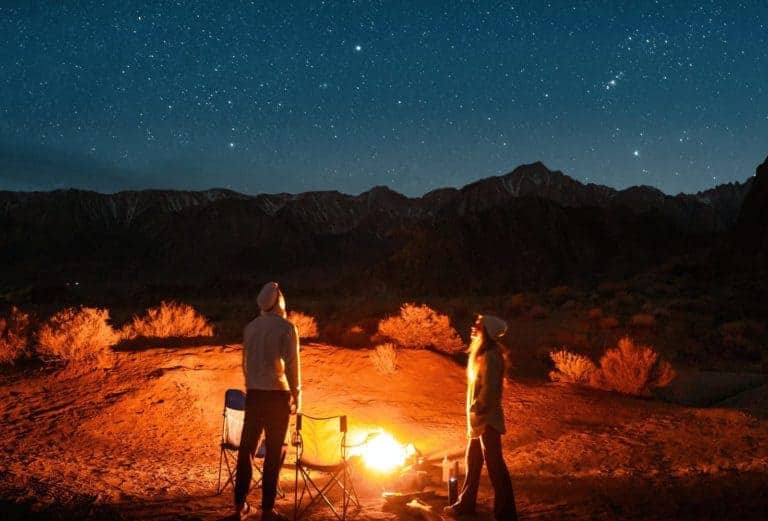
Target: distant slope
<point x="529" y="227"/>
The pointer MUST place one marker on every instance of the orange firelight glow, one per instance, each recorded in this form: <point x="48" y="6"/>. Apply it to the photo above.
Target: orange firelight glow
<point x="382" y="453"/>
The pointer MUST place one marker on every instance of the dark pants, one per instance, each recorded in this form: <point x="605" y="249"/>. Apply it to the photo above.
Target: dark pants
<point x="488" y="447"/>
<point x="266" y="411"/>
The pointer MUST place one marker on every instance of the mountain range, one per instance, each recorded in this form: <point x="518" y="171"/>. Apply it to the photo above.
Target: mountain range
<point x="531" y="227"/>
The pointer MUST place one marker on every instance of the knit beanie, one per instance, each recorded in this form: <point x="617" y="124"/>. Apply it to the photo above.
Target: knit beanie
<point x="268" y="296"/>
<point x="494" y="326"/>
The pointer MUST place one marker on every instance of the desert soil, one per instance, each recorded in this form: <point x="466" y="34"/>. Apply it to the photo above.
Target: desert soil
<point x="140" y="440"/>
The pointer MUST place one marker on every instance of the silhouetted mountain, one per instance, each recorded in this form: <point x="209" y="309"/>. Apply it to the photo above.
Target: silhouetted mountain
<point x="752" y="226"/>
<point x="528" y="228"/>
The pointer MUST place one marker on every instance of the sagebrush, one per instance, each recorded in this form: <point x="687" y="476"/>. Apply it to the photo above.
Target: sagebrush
<point x="421" y="327"/>
<point x="168" y="320"/>
<point x="643" y="320"/>
<point x="306" y="324"/>
<point x="633" y="369"/>
<point x="14" y="337"/>
<point x="384" y="358"/>
<point x="571" y="367"/>
<point x="77" y="334"/>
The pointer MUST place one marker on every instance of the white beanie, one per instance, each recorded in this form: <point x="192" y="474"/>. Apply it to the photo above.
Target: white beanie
<point x="494" y="326"/>
<point x="268" y="296"/>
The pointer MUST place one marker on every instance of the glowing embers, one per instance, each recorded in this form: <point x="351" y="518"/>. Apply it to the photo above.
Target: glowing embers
<point x="381" y="452"/>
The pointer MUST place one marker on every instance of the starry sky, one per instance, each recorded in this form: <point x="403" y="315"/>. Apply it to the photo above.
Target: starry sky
<point x="280" y="96"/>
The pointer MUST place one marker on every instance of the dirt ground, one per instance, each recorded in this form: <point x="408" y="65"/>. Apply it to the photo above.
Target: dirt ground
<point x="140" y="440"/>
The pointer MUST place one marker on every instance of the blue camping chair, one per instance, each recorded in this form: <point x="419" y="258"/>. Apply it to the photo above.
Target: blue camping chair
<point x="231" y="431"/>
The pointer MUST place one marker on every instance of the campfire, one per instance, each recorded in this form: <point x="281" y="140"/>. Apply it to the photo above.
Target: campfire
<point x="382" y="453"/>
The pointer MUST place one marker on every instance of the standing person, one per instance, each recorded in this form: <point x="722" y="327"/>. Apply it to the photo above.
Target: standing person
<point x="273" y="381"/>
<point x="485" y="422"/>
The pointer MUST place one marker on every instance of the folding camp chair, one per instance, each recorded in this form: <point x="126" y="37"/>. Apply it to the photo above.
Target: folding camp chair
<point x="231" y="430"/>
<point x="321" y="447"/>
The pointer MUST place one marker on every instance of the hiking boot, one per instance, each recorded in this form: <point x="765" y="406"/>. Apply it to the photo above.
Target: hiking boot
<point x="457" y="509"/>
<point x="273" y="515"/>
<point x="243" y="511"/>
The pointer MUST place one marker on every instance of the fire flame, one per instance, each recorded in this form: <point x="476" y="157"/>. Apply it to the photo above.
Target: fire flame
<point x="382" y="453"/>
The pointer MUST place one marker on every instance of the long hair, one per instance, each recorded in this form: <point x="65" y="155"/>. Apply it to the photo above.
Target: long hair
<point x="477" y="345"/>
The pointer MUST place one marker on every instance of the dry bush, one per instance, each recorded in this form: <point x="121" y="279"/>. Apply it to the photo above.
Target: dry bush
<point x="559" y="292"/>
<point x="623" y="298"/>
<point x="518" y="304"/>
<point x="353" y="336"/>
<point x="743" y="337"/>
<point x="595" y="314"/>
<point x="421" y="327"/>
<point x="384" y="358"/>
<point x="306" y="324"/>
<point x="168" y="320"/>
<point x="14" y="337"/>
<point x="77" y="335"/>
<point x="643" y="320"/>
<point x="632" y="369"/>
<point x="608" y="323"/>
<point x="568" y="337"/>
<point x="571" y="367"/>
<point x="537" y="311"/>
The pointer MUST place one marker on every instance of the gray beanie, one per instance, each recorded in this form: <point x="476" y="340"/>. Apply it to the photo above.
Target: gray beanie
<point x="494" y="326"/>
<point x="268" y="296"/>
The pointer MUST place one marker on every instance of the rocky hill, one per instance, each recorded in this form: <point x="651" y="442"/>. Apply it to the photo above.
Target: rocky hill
<point x="529" y="227"/>
<point x="752" y="225"/>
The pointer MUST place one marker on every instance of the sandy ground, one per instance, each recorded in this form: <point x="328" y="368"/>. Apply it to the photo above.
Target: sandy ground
<point x="140" y="440"/>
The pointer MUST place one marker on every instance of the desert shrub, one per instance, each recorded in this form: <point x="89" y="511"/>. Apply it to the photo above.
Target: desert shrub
<point x="632" y="369"/>
<point x="306" y="324"/>
<point x="643" y="320"/>
<point x="743" y="338"/>
<point x="354" y="336"/>
<point x="384" y="358"/>
<point x="559" y="293"/>
<point x="421" y="327"/>
<point x="623" y="298"/>
<point x="537" y="311"/>
<point x="595" y="314"/>
<point x="518" y="304"/>
<point x="571" y="367"/>
<point x="568" y="337"/>
<point x="77" y="335"/>
<point x="14" y="337"/>
<point x="168" y="320"/>
<point x="608" y="323"/>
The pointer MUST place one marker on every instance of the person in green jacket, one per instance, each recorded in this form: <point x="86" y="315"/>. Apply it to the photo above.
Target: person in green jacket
<point x="485" y="422"/>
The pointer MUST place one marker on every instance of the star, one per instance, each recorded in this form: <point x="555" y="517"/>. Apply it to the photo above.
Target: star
<point x="636" y="153"/>
<point x="358" y="48"/>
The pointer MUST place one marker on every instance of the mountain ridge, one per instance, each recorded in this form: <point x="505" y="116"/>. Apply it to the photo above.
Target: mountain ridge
<point x="530" y="180"/>
<point x="529" y="227"/>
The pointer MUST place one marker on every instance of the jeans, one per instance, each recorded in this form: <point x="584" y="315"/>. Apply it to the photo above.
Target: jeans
<point x="266" y="411"/>
<point x="488" y="447"/>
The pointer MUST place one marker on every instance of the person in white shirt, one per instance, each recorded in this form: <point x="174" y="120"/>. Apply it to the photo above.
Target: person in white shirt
<point x="272" y="370"/>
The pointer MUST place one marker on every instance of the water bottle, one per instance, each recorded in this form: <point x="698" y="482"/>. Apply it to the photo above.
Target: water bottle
<point x="453" y="490"/>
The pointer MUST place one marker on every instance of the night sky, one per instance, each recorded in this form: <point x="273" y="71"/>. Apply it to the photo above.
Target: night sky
<point x="296" y="96"/>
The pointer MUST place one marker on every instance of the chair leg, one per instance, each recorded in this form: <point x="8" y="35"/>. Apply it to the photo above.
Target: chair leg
<point x="219" y="490"/>
<point x="296" y="493"/>
<point x="231" y="478"/>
